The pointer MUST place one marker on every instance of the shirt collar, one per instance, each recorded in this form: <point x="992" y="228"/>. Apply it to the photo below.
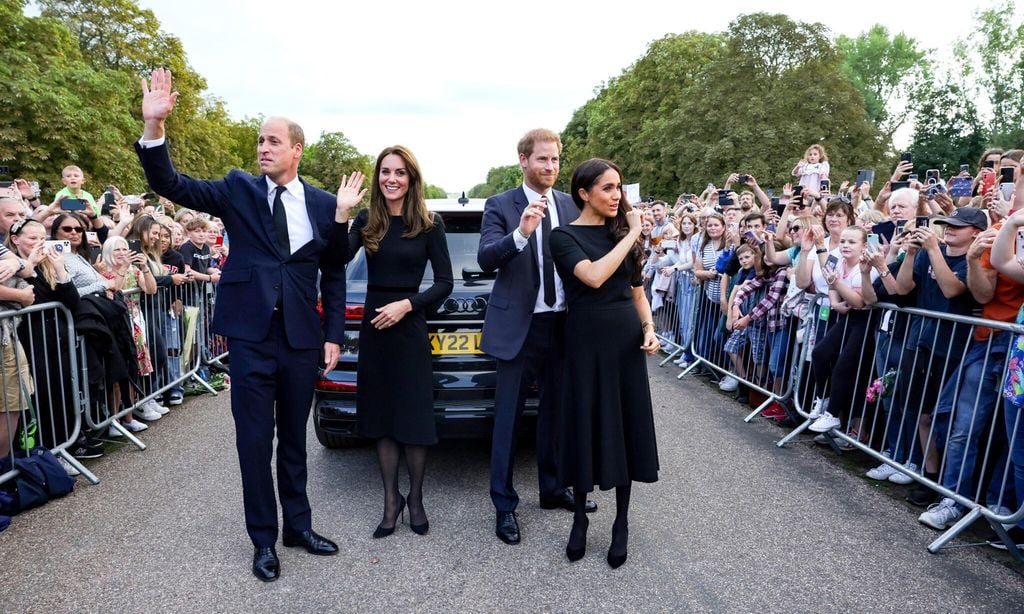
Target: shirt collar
<point x="532" y="196"/>
<point x="294" y="187"/>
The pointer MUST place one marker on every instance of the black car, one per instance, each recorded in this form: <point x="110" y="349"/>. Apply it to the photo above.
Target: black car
<point x="464" y="377"/>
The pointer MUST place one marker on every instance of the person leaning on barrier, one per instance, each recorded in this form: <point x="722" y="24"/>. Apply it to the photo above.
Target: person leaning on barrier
<point x="44" y="333"/>
<point x="174" y="265"/>
<point x="938" y="272"/>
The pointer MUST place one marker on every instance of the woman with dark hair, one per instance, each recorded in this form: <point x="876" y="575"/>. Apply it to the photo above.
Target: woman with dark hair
<point x="70" y="226"/>
<point x="400" y="236"/>
<point x="607" y="433"/>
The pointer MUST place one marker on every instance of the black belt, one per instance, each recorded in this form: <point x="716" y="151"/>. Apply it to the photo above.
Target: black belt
<point x="374" y="288"/>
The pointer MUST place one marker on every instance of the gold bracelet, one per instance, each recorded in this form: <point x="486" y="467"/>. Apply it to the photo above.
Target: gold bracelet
<point x="645" y="325"/>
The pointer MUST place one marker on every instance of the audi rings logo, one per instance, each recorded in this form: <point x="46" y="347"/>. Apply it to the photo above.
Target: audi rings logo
<point x="464" y="305"/>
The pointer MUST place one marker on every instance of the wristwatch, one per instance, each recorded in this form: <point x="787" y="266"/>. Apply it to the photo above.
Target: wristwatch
<point x="21" y="265"/>
<point x="821" y="250"/>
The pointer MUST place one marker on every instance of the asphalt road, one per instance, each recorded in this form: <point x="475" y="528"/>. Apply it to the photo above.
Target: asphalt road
<point x="734" y="525"/>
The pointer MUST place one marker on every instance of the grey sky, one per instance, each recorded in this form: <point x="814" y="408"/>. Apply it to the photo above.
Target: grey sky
<point x="457" y="81"/>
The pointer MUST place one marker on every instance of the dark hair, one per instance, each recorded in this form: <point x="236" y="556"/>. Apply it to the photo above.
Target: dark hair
<point x="837" y="204"/>
<point x="750" y="217"/>
<point x="83" y="249"/>
<point x="584" y="178"/>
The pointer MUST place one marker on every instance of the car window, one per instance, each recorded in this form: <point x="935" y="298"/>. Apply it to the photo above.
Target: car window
<point x="463" y="235"/>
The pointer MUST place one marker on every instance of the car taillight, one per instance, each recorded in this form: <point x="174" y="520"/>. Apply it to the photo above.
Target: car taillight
<point x="353" y="312"/>
<point x="327" y="385"/>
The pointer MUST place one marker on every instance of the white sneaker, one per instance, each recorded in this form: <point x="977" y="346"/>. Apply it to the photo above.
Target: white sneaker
<point x="818" y="408"/>
<point x="940" y="515"/>
<point x="146" y="412"/>
<point x="135" y="426"/>
<point x="158" y="408"/>
<point x="176" y="399"/>
<point x="898" y="477"/>
<point x="113" y="432"/>
<point x="825" y="423"/>
<point x="681" y="361"/>
<point x="881" y="472"/>
<point x="68" y="467"/>
<point x="728" y="384"/>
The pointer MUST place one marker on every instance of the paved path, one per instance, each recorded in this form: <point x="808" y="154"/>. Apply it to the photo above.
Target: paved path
<point x="735" y="524"/>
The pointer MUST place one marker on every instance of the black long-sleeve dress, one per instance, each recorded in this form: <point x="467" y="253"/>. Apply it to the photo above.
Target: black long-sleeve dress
<point x="394" y="395"/>
<point x="607" y="436"/>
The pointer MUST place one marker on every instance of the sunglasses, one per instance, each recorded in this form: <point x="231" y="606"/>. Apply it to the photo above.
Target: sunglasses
<point x="795" y="228"/>
<point x="77" y="229"/>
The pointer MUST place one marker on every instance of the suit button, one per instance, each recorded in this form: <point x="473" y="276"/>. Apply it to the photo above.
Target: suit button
<point x="277" y="286"/>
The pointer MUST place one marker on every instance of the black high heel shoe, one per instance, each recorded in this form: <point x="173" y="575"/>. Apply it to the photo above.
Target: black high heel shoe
<point x="419" y="529"/>
<point x="576" y="549"/>
<point x="615" y="559"/>
<point x="381" y="531"/>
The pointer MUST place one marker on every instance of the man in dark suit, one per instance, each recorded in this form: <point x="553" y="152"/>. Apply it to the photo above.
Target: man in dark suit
<point x="525" y="320"/>
<point x="266" y="308"/>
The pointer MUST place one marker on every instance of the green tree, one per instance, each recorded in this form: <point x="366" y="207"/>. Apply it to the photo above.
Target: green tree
<point x="948" y="131"/>
<point x="331" y="156"/>
<point x="992" y="57"/>
<point x="887" y="70"/>
<point x="499" y="179"/>
<point x="433" y="191"/>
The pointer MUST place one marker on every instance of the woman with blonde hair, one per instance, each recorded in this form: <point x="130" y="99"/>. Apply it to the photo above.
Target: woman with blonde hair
<point x="399" y="237"/>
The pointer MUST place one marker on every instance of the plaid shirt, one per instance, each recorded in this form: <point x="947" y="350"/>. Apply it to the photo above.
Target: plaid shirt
<point x="769" y="305"/>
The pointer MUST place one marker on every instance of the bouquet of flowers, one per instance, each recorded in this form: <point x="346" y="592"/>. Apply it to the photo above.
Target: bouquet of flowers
<point x="881" y="387"/>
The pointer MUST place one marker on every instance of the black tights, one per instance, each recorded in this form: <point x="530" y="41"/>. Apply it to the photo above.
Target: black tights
<point x="389" y="453"/>
<point x="620" y="528"/>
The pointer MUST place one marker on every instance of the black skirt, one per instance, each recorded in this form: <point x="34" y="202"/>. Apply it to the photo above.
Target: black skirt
<point x="607" y="437"/>
<point x="394" y="394"/>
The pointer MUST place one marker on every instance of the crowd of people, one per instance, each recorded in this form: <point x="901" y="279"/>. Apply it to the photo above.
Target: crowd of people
<point x="750" y="282"/>
<point x="127" y="268"/>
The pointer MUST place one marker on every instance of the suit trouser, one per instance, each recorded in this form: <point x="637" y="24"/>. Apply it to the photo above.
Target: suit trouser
<point x="540" y="360"/>
<point x="272" y="385"/>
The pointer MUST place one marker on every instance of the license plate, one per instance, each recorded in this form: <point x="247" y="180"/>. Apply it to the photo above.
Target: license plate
<point x="455" y="343"/>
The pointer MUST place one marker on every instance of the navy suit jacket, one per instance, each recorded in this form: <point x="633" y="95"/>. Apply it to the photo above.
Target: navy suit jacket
<point x="510" y="308"/>
<point x="257" y="275"/>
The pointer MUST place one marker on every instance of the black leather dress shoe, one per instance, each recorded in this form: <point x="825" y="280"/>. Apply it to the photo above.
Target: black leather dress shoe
<point x="313" y="543"/>
<point x="506" y="527"/>
<point x="265" y="565"/>
<point x="565" y="501"/>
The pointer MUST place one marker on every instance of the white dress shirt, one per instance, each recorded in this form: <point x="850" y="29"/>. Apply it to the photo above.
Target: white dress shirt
<point x="552" y="211"/>
<point x="300" y="229"/>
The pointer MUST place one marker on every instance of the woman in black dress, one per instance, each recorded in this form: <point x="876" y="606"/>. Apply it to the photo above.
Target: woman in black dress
<point x="608" y="427"/>
<point x="394" y="395"/>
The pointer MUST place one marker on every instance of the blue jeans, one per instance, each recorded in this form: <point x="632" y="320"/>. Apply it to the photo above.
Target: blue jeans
<point x="172" y="337"/>
<point x="968" y="401"/>
<point x="687" y="296"/>
<point x="900" y="434"/>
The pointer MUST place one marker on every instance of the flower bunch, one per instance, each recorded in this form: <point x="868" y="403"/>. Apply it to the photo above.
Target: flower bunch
<point x="881" y="387"/>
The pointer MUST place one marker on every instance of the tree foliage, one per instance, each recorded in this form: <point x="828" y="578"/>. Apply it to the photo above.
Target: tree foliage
<point x="330" y="157"/>
<point x="499" y="179"/>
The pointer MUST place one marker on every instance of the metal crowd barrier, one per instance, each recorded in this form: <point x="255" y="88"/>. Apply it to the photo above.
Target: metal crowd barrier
<point x="52" y="376"/>
<point x="39" y="381"/>
<point x="923" y="397"/>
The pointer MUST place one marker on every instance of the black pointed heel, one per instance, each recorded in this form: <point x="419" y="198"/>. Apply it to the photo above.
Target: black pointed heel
<point x="576" y="549"/>
<point x="382" y="531"/>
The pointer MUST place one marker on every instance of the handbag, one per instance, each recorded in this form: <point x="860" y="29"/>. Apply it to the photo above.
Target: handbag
<point x="40" y="478"/>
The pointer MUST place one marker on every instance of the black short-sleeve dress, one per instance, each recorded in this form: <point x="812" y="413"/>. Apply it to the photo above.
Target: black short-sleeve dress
<point x="394" y="377"/>
<point x="607" y="436"/>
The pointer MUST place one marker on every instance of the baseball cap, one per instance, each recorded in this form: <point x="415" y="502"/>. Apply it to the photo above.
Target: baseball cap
<point x="965" y="216"/>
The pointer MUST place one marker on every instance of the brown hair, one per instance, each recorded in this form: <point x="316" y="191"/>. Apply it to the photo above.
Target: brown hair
<point x="837" y="204"/>
<point x="705" y="237"/>
<point x="49" y="271"/>
<point x="584" y="177"/>
<point x="197" y="223"/>
<point x="418" y="219"/>
<point x="821" y="152"/>
<point x="529" y="140"/>
<point x="83" y="246"/>
<point x="758" y="257"/>
<point x="994" y="151"/>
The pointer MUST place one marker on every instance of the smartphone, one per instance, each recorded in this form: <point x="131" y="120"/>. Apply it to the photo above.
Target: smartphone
<point x="935" y="188"/>
<point x="91" y="236"/>
<point x="220" y="241"/>
<point x="798" y="190"/>
<point x="743" y="179"/>
<point x="825" y="186"/>
<point x="135" y="245"/>
<point x="733" y="227"/>
<point x="912" y="177"/>
<point x="4" y="169"/>
<point x="932" y="175"/>
<point x="884" y="229"/>
<point x="771" y="227"/>
<point x="961" y="187"/>
<point x="899" y="185"/>
<point x="35" y="189"/>
<point x="1020" y="244"/>
<point x="753" y="237"/>
<point x="831" y="264"/>
<point x="921" y="221"/>
<point x="901" y="226"/>
<point x="873" y="242"/>
<point x="59" y="246"/>
<point x="72" y="204"/>
<point x="965" y="168"/>
<point x="1006" y="175"/>
<point x="1007" y="191"/>
<point x="94" y="253"/>
<point x="863" y="175"/>
<point x="988" y="164"/>
<point x="108" y="199"/>
<point x="778" y="207"/>
<point x="906" y="156"/>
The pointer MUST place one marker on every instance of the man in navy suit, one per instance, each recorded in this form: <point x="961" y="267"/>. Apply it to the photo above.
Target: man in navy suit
<point x="525" y="320"/>
<point x="266" y="308"/>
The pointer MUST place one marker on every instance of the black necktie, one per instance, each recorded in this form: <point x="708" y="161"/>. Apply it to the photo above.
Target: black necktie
<point x="549" y="265"/>
<point x="281" y="223"/>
